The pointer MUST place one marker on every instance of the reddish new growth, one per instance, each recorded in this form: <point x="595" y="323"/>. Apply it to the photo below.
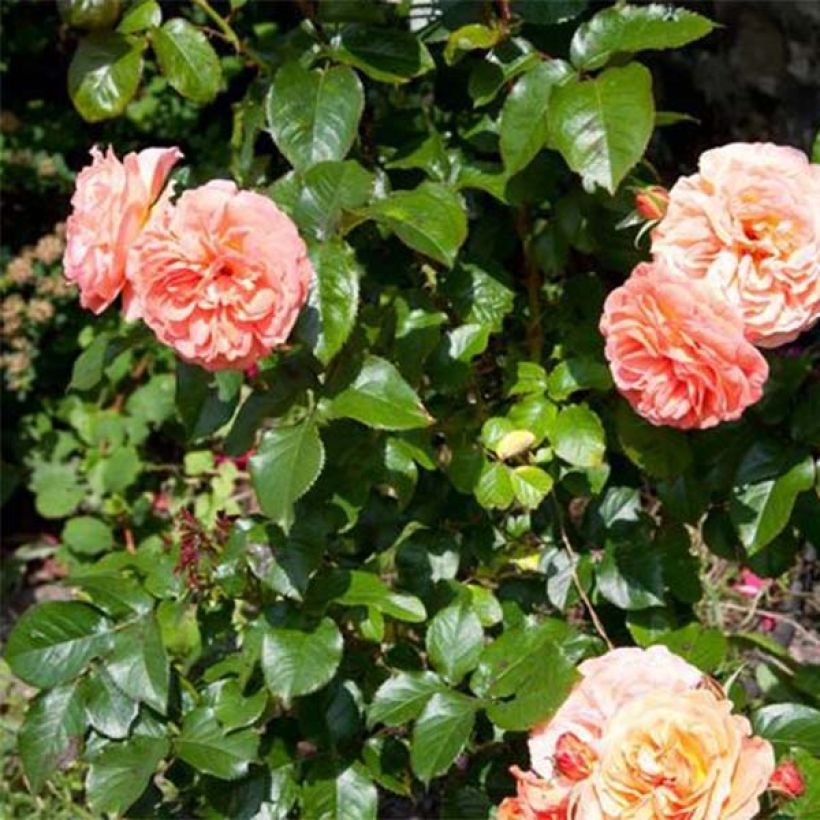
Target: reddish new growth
<point x="194" y="541"/>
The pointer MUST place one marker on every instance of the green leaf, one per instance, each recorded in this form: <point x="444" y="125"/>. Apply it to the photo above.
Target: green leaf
<point x="179" y="630"/>
<point x="350" y="796"/>
<point x="380" y="398"/>
<point x="90" y="365"/>
<point x="313" y="116"/>
<point x="631" y="575"/>
<point x="469" y="38"/>
<point x="285" y="466"/>
<point x="120" y="772"/>
<point x="539" y="701"/>
<point x="53" y="642"/>
<point x="578" y="373"/>
<point x="789" y="724"/>
<point x="187" y="60"/>
<point x="334" y="299"/>
<point x="234" y="709"/>
<point x="108" y="710"/>
<point x="430" y="219"/>
<point x="104" y="74"/>
<point x="57" y="489"/>
<point x="454" y="642"/>
<point x="329" y="189"/>
<point x="51" y="734"/>
<point x="87" y="536"/>
<point x="141" y="15"/>
<point x="297" y="662"/>
<point x="366" y="589"/>
<point x="531" y="485"/>
<point x="528" y="672"/>
<point x="548" y="12"/>
<point x="89" y="14"/>
<point x="578" y="436"/>
<point x="402" y="698"/>
<point x="388" y="55"/>
<point x="494" y="489"/>
<point x="523" y="127"/>
<point x="113" y="592"/>
<point x="480" y="295"/>
<point x="206" y="746"/>
<point x="441" y="732"/>
<point x="760" y="511"/>
<point x="627" y="29"/>
<point x="138" y="663"/>
<point x="703" y="647"/>
<point x="602" y="126"/>
<point x="202" y="409"/>
<point x="659" y="451"/>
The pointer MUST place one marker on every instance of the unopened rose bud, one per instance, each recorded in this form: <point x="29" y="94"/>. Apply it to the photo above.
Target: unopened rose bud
<point x="573" y="758"/>
<point x="787" y="780"/>
<point x="651" y="202"/>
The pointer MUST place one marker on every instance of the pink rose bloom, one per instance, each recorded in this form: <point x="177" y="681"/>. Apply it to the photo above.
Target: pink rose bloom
<point x="677" y="351"/>
<point x="749" y="223"/>
<point x="111" y="204"/>
<point x="220" y="276"/>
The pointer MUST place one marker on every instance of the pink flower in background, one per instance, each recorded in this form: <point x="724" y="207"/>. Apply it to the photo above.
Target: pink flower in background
<point x="111" y="204"/>
<point x="220" y="276"/>
<point x="749" y="223"/>
<point x="677" y="351"/>
<point x="750" y="585"/>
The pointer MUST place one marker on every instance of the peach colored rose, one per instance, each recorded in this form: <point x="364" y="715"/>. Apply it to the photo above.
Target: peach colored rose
<point x="607" y="683"/>
<point x="749" y="223"/>
<point x="677" y="755"/>
<point x="677" y="350"/>
<point x="111" y="204"/>
<point x="220" y="276"/>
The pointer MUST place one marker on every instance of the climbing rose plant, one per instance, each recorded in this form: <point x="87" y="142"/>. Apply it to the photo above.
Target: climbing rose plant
<point x="465" y="375"/>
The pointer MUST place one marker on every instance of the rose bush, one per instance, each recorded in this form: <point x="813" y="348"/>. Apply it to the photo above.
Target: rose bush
<point x="386" y="488"/>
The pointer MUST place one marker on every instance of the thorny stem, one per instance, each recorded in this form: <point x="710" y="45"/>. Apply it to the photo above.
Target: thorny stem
<point x="573" y="561"/>
<point x="221" y="23"/>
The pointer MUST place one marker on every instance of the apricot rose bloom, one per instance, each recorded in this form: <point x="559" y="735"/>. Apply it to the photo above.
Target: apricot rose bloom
<point x="749" y="223"/>
<point x="112" y="202"/>
<point x="220" y="275"/>
<point x="643" y="735"/>
<point x="677" y="350"/>
<point x="673" y="754"/>
<point x="608" y="683"/>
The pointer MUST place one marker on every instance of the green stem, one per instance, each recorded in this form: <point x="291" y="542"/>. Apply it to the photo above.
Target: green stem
<point x="532" y="277"/>
<point x="221" y="23"/>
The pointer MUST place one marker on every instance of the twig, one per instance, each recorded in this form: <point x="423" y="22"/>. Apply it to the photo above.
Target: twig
<point x="573" y="560"/>
<point x="221" y="23"/>
<point x="776" y="616"/>
<point x="535" y="333"/>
